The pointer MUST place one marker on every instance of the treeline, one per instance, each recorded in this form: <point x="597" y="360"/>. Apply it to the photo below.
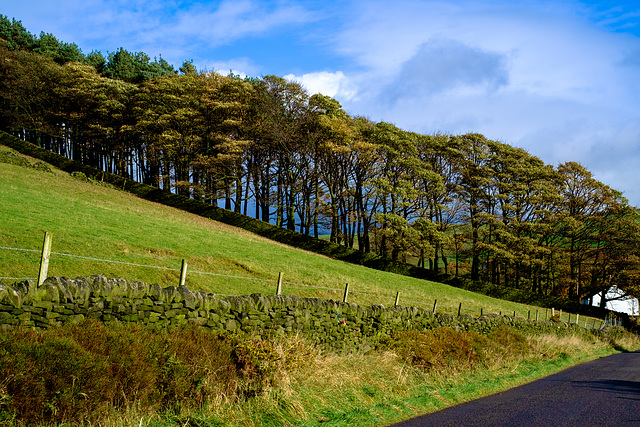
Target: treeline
<point x="264" y="147"/>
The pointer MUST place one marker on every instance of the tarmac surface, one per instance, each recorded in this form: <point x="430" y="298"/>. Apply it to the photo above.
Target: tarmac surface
<point x="602" y="392"/>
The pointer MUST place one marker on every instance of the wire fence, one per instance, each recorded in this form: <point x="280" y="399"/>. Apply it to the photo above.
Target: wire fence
<point x="206" y="273"/>
<point x="537" y="315"/>
<point x="133" y="264"/>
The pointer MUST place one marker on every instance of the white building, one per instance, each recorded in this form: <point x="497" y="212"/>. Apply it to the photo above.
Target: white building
<point x="621" y="302"/>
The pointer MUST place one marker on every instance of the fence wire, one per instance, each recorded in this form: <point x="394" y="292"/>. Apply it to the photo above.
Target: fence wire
<point x="341" y="290"/>
<point x="354" y="293"/>
<point x="128" y="263"/>
<point x="115" y="262"/>
<point x="19" y="249"/>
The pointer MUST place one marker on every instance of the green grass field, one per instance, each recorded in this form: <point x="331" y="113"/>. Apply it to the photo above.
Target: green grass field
<point x="95" y="221"/>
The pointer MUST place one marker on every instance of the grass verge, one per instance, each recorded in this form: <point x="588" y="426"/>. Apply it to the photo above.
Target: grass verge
<point x="92" y="374"/>
<point x="381" y="388"/>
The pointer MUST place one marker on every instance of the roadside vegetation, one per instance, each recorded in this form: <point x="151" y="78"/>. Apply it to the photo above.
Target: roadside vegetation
<point x="92" y="374"/>
<point x="123" y="376"/>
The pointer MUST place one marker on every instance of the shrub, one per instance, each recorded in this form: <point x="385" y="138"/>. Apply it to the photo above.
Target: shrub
<point x="439" y="348"/>
<point x="17" y="160"/>
<point x="13" y="159"/>
<point x="51" y="377"/>
<point x="83" y="372"/>
<point x="262" y="362"/>
<point x="442" y="348"/>
<point x="79" y="372"/>
<point x="80" y="176"/>
<point x="195" y="366"/>
<point x="510" y="341"/>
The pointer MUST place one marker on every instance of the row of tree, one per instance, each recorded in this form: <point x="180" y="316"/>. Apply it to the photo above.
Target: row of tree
<point x="266" y="148"/>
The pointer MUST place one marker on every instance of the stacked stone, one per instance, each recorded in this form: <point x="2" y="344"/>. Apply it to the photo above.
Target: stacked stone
<point x="330" y="324"/>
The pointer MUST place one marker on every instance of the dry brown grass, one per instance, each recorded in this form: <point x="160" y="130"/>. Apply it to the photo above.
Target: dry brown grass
<point x="335" y="385"/>
<point x="627" y="342"/>
<point x="307" y="387"/>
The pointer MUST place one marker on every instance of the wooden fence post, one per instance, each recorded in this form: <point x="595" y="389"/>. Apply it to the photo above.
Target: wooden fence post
<point x="279" y="288"/>
<point x="435" y="304"/>
<point x="529" y="315"/>
<point x="577" y="318"/>
<point x="480" y="311"/>
<point x="459" y="309"/>
<point x="44" y="259"/>
<point x="346" y="293"/>
<point x="183" y="272"/>
<point x="536" y="315"/>
<point x="397" y="298"/>
<point x="514" y="314"/>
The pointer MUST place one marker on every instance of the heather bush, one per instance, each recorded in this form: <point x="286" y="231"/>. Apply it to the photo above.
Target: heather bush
<point x="510" y="341"/>
<point x="263" y="362"/>
<point x="85" y="372"/>
<point x="447" y="348"/>
<point x="50" y="377"/>
<point x="196" y="366"/>
<point x="439" y="348"/>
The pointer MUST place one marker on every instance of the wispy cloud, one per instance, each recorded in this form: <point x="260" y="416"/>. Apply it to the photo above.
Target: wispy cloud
<point x="232" y="20"/>
<point x="556" y="77"/>
<point x="161" y="27"/>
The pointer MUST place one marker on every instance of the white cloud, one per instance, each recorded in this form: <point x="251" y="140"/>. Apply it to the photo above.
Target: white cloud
<point x="232" y="20"/>
<point x="335" y="85"/>
<point x="544" y="76"/>
<point x="242" y="66"/>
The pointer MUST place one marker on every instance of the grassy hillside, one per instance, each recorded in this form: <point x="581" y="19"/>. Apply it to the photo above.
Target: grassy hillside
<point x="97" y="221"/>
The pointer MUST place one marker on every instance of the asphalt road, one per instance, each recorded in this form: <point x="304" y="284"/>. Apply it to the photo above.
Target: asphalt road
<point x="603" y="392"/>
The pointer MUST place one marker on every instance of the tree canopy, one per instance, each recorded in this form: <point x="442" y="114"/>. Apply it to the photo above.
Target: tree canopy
<point x="458" y="204"/>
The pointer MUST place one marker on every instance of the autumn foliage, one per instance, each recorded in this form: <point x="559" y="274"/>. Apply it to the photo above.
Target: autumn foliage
<point x="265" y="147"/>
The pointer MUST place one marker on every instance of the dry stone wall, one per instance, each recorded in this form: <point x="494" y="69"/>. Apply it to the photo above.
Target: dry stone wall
<point x="332" y="325"/>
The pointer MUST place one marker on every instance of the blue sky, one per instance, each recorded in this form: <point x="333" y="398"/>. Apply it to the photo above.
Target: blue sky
<point x="560" y="78"/>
